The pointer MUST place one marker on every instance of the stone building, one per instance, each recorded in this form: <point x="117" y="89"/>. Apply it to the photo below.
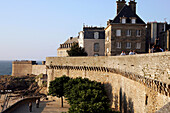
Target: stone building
<point x="126" y="31"/>
<point x="62" y="50"/>
<point x="158" y="34"/>
<point x="92" y="39"/>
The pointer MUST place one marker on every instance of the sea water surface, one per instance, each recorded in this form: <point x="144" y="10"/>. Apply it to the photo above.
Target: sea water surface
<point x="6" y="67"/>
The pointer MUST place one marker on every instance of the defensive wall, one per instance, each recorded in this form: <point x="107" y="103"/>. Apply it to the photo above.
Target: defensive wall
<point x="19" y="103"/>
<point x="20" y="68"/>
<point x="135" y="84"/>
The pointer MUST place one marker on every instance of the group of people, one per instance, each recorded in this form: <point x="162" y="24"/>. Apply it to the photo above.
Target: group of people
<point x="130" y="53"/>
<point x="37" y="105"/>
<point x="156" y="48"/>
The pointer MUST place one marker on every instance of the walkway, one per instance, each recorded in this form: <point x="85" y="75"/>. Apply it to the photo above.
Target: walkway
<point x="45" y="107"/>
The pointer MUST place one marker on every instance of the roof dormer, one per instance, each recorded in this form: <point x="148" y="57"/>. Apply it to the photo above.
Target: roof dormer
<point x="133" y="20"/>
<point x="123" y="20"/>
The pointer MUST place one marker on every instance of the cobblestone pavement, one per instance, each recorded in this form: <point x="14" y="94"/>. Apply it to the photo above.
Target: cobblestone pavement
<point x="44" y="107"/>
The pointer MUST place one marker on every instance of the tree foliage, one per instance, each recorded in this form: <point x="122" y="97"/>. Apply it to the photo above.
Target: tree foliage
<point x="83" y="95"/>
<point x="76" y="50"/>
<point x="86" y="96"/>
<point x="56" y="87"/>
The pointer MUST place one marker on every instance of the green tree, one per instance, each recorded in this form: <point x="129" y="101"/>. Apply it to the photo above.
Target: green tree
<point x="76" y="50"/>
<point x="86" y="96"/>
<point x="56" y="87"/>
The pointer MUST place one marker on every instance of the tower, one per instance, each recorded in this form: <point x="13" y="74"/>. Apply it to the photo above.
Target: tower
<point x="120" y="4"/>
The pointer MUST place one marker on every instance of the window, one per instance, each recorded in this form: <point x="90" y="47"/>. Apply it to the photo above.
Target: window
<point x="118" y="32"/>
<point x="96" y="47"/>
<point x="123" y="20"/>
<point x="128" y="45"/>
<point x="133" y="21"/>
<point x="118" y="44"/>
<point x="138" y="33"/>
<point x="128" y="32"/>
<point x="107" y="50"/>
<point x="96" y="35"/>
<point x="138" y="45"/>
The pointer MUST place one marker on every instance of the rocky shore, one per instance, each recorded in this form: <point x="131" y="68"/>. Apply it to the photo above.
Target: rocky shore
<point x="8" y="82"/>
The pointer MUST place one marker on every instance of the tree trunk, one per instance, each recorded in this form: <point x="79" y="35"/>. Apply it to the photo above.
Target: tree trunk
<point x="62" y="101"/>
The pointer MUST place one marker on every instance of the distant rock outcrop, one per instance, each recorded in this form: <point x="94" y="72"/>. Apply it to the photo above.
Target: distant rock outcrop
<point x="13" y="83"/>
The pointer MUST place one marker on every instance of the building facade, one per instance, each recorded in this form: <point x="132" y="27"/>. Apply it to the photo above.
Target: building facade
<point x="126" y="31"/>
<point x="62" y="50"/>
<point x="158" y="34"/>
<point x="92" y="39"/>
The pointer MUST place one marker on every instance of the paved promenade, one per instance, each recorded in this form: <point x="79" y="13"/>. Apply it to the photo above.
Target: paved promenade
<point x="45" y="107"/>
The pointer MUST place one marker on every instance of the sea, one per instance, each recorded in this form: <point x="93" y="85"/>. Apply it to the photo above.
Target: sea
<point x="6" y="67"/>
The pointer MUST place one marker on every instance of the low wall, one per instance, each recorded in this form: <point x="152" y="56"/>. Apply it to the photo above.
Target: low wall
<point x="19" y="103"/>
<point x="129" y="86"/>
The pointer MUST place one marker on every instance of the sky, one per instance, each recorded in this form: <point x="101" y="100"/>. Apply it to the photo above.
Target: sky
<point x="34" y="29"/>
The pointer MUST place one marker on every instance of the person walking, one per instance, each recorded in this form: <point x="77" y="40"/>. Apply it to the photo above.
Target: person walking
<point x="37" y="103"/>
<point x="30" y="106"/>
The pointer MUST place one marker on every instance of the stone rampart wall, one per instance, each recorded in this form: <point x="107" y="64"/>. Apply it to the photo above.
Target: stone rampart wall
<point x="127" y="85"/>
<point x="155" y="66"/>
<point x="38" y="69"/>
<point x="20" y="103"/>
<point x="21" y="69"/>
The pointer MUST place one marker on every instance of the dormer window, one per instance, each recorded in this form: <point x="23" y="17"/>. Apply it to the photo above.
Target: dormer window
<point x="133" y="20"/>
<point x="96" y="35"/>
<point x="123" y="20"/>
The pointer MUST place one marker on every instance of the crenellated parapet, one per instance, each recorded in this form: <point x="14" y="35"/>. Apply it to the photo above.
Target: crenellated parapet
<point x="139" y="83"/>
<point x="155" y="85"/>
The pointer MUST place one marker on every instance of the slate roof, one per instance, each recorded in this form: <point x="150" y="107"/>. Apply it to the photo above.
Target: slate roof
<point x="126" y="11"/>
<point x="75" y="39"/>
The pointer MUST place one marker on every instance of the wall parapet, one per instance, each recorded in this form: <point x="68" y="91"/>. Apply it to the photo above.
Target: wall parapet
<point x="155" y="66"/>
<point x="155" y="85"/>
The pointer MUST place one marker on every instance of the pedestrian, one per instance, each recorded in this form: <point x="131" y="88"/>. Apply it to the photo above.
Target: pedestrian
<point x="130" y="53"/>
<point x="161" y="49"/>
<point x="153" y="49"/>
<point x="134" y="53"/>
<point x="166" y="49"/>
<point x="30" y="106"/>
<point x="123" y="53"/>
<point x="37" y="103"/>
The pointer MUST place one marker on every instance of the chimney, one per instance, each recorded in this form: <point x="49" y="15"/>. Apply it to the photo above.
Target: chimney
<point x="120" y="5"/>
<point x="132" y="5"/>
<point x="71" y="38"/>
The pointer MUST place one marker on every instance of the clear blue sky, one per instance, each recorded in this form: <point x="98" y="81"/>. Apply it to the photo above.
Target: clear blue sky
<point x="33" y="29"/>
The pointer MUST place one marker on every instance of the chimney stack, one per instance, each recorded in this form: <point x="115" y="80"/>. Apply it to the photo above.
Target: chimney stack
<point x="132" y="4"/>
<point x="120" y="5"/>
